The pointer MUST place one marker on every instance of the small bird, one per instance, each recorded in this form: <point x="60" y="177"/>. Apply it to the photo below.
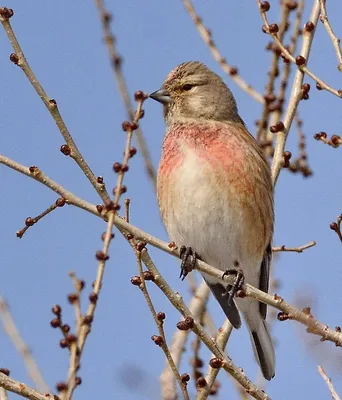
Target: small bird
<point x="215" y="193"/>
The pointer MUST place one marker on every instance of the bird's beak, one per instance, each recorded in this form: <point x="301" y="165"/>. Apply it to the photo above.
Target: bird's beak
<point x="161" y="95"/>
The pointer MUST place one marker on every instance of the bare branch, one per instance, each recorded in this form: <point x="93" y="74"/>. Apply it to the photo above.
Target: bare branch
<point x="161" y="341"/>
<point x="36" y="174"/>
<point x="22" y="390"/>
<point x="208" y="40"/>
<point x="196" y="307"/>
<point x="103" y="256"/>
<point x="336" y="227"/>
<point x="296" y="93"/>
<point x="178" y="303"/>
<point x="12" y="332"/>
<point x="116" y="63"/>
<point x="334" y="140"/>
<point x="221" y="340"/>
<point x="299" y="249"/>
<point x="301" y="64"/>
<point x="327" y="380"/>
<point x="335" y="40"/>
<point x="31" y="221"/>
<point x="71" y="149"/>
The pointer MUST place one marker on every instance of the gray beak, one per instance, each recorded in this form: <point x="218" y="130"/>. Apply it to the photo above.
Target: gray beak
<point x="161" y="95"/>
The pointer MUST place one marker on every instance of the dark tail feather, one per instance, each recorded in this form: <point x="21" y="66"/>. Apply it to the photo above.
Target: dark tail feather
<point x="232" y="313"/>
<point x="264" y="351"/>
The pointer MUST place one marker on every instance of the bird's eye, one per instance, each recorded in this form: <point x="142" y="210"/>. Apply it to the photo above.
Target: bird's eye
<point x="187" y="87"/>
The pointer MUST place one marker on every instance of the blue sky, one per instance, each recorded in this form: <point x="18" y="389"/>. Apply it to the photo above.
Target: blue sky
<point x="63" y="43"/>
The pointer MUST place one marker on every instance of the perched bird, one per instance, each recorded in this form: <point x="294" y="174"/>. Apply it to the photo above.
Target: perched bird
<point x="215" y="192"/>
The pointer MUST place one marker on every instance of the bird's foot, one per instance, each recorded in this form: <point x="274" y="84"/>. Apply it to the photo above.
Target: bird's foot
<point x="237" y="285"/>
<point x="189" y="259"/>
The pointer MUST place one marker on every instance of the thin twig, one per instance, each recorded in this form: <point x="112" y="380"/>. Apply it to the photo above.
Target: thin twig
<point x="221" y="340"/>
<point x="334" y="141"/>
<point x="177" y="301"/>
<point x="296" y="93"/>
<point x="206" y="35"/>
<point x="22" y="389"/>
<point x="12" y="332"/>
<point x="116" y="63"/>
<point x="336" y="227"/>
<point x="299" y="249"/>
<point x="103" y="255"/>
<point x="31" y="221"/>
<point x="36" y="174"/>
<point x="300" y="164"/>
<point x="19" y="59"/>
<point x="335" y="40"/>
<point x="327" y="380"/>
<point x="272" y="74"/>
<point x="196" y="307"/>
<point x="301" y="67"/>
<point x="162" y="343"/>
<point x="284" y="79"/>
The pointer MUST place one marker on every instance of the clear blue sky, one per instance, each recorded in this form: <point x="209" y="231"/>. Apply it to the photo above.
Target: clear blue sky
<point x="63" y="43"/>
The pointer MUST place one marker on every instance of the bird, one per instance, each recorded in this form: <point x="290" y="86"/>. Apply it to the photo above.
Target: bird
<point x="215" y="194"/>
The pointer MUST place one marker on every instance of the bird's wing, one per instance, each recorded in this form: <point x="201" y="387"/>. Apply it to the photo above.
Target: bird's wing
<point x="220" y="293"/>
<point x="265" y="278"/>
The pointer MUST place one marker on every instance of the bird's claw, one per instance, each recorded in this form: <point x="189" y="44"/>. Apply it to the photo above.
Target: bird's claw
<point x="189" y="259"/>
<point x="238" y="282"/>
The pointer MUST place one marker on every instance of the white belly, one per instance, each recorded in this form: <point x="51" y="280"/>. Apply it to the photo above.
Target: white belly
<point x="200" y="215"/>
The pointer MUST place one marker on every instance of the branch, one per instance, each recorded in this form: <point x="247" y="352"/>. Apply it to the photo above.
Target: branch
<point x="273" y="73"/>
<point x="31" y="221"/>
<point x="36" y="174"/>
<point x="21" y="347"/>
<point x="336" y="227"/>
<point x="335" y="40"/>
<point x="221" y="340"/>
<point x="334" y="141"/>
<point x="299" y="249"/>
<point x="70" y="148"/>
<point x="229" y="70"/>
<point x="103" y="255"/>
<point x="22" y="390"/>
<point x="296" y="93"/>
<point x="327" y="380"/>
<point x="225" y="362"/>
<point x="123" y="226"/>
<point x="116" y="63"/>
<point x="167" y="391"/>
<point x="301" y="60"/>
<point x="196" y="307"/>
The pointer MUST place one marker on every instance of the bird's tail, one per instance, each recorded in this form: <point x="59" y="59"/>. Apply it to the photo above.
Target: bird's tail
<point x="262" y="345"/>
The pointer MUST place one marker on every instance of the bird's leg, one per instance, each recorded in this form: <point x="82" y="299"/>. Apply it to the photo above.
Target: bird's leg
<point x="238" y="282"/>
<point x="189" y="259"/>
